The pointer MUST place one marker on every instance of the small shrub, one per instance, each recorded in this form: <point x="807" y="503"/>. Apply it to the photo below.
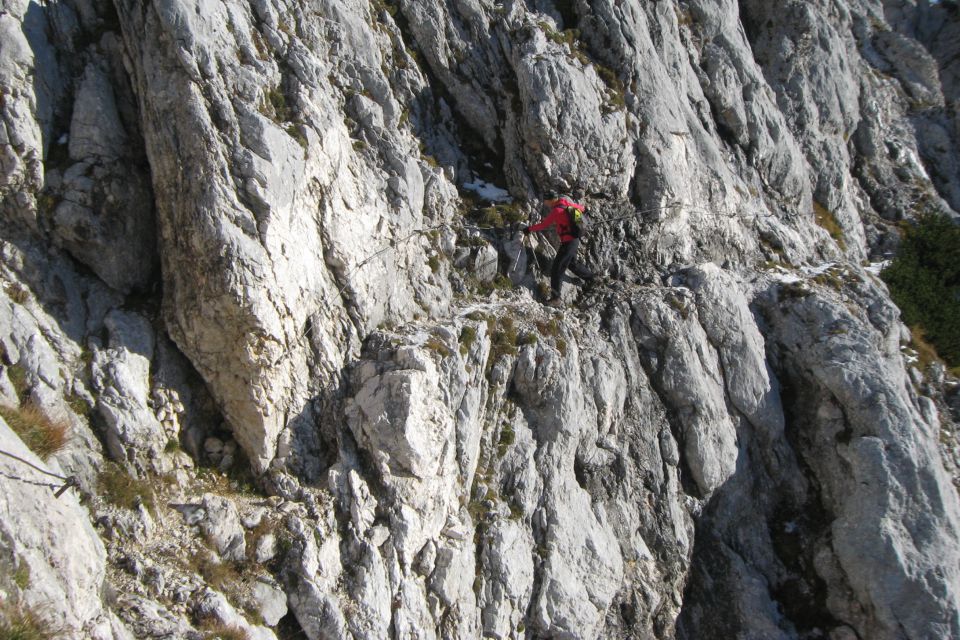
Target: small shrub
<point x="543" y="290"/>
<point x="516" y="511"/>
<point x="499" y="283"/>
<point x="617" y="95"/>
<point x="123" y="490"/>
<point x="42" y="435"/>
<point x="434" y="263"/>
<point x="46" y="200"/>
<point x="507" y="435"/>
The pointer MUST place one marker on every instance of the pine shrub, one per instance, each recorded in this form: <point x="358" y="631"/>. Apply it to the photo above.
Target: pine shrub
<point x="924" y="281"/>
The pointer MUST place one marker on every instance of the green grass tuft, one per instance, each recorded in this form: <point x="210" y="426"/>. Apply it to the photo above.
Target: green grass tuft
<point x="123" y="490"/>
<point x="21" y="577"/>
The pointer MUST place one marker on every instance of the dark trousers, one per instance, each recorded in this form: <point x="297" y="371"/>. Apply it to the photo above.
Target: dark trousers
<point x="566" y="259"/>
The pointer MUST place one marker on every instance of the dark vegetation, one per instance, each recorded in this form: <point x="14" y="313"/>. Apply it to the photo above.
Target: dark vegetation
<point x="924" y="281"/>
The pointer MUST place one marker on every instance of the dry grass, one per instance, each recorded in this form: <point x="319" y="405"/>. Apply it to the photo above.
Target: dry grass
<point x="828" y="221"/>
<point x="17" y="623"/>
<point x="926" y="352"/>
<point x="219" y="631"/>
<point x="41" y="434"/>
<point x="221" y="575"/>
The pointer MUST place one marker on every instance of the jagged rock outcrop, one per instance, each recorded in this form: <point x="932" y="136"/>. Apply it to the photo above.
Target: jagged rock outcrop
<point x="310" y="390"/>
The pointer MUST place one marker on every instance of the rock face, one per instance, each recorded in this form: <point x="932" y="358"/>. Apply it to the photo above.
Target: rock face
<point x="52" y="558"/>
<point x="247" y="256"/>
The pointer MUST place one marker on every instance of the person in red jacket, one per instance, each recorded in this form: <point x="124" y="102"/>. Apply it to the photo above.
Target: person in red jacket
<point x="563" y="214"/>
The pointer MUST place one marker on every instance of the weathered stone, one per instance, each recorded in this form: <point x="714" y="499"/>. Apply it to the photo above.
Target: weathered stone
<point x="221" y="525"/>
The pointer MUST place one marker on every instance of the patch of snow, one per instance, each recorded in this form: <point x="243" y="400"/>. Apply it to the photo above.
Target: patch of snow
<point x="876" y="267"/>
<point x="819" y="269"/>
<point x="488" y="191"/>
<point x="780" y="274"/>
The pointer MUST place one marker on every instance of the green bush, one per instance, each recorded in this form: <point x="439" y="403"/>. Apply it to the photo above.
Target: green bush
<point x="924" y="281"/>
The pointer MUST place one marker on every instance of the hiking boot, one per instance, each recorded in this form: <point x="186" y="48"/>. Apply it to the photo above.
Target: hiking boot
<point x="555" y="302"/>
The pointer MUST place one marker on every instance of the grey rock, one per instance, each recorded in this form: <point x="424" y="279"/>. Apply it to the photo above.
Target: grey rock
<point x="214" y="606"/>
<point x="221" y="526"/>
<point x="700" y="445"/>
<point x="121" y="377"/>
<point x="50" y="541"/>
<point x="270" y="601"/>
<point x="266" y="548"/>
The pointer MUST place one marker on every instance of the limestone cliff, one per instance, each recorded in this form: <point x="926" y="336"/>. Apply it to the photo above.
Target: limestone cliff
<point x="250" y="262"/>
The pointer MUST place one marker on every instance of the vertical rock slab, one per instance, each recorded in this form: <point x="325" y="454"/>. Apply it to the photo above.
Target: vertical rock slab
<point x="895" y="531"/>
<point x="266" y="207"/>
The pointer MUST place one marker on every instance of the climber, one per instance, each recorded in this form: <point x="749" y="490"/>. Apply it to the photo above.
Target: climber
<point x="566" y="215"/>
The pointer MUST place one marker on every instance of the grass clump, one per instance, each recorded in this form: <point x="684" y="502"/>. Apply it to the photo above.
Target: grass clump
<point x="489" y="216"/>
<point x="219" y="631"/>
<point x="924" y="281"/>
<point x="437" y="345"/>
<point x="17" y="293"/>
<point x="275" y="105"/>
<point x="123" y="490"/>
<point x="828" y="221"/>
<point x="503" y="341"/>
<point x="42" y="435"/>
<point x="17" y="376"/>
<point x="468" y="335"/>
<point x="222" y="576"/>
<point x="21" y="577"/>
<point x="18" y="623"/>
<point x="527" y="339"/>
<point x="507" y="437"/>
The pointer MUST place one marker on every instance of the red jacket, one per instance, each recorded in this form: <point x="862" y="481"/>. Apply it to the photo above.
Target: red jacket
<point x="558" y="216"/>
